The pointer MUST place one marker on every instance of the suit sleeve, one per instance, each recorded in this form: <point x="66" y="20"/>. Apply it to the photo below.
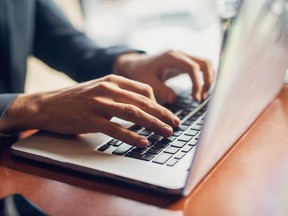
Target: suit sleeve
<point x="62" y="47"/>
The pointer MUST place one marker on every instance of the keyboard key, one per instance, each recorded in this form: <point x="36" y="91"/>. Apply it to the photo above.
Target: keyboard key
<point x="186" y="100"/>
<point x="171" y="150"/>
<point x="185" y="138"/>
<point x="118" y="143"/>
<point x="187" y="148"/>
<point x="186" y="112"/>
<point x="193" y="142"/>
<point x="195" y="104"/>
<point x="178" y="144"/>
<point x="193" y="118"/>
<point x="112" y="141"/>
<point x="177" y="133"/>
<point x="179" y="155"/>
<point x="162" y="158"/>
<point x="191" y="132"/>
<point x="188" y="122"/>
<point x="154" y="150"/>
<point x="145" y="132"/>
<point x="134" y="155"/>
<point x="197" y="136"/>
<point x="174" y="109"/>
<point x="146" y="156"/>
<point x="172" y="162"/>
<point x="135" y="128"/>
<point x="190" y="109"/>
<point x="201" y="111"/>
<point x="200" y="122"/>
<point x="122" y="149"/>
<point x="168" y="139"/>
<point x="154" y="137"/>
<point x="138" y="150"/>
<point x="181" y="128"/>
<point x="181" y="116"/>
<point x="181" y="105"/>
<point x="103" y="148"/>
<point x="151" y="142"/>
<point x="196" y="127"/>
<point x="161" y="145"/>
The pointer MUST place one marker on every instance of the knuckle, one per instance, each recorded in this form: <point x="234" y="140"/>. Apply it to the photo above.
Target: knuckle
<point x="143" y="102"/>
<point x="195" y="67"/>
<point x="111" y="78"/>
<point x="208" y="65"/>
<point x="170" y="53"/>
<point x="103" y="85"/>
<point x="147" y="89"/>
<point x="131" y="110"/>
<point x="102" y="88"/>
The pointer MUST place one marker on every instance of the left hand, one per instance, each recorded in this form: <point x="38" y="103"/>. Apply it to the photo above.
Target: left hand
<point x="152" y="70"/>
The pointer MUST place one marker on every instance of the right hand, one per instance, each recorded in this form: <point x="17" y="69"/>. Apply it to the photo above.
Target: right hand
<point x="88" y="107"/>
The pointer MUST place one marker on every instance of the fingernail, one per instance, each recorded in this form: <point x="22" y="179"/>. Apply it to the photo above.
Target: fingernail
<point x="176" y="121"/>
<point x="198" y="96"/>
<point x="142" y="142"/>
<point x="167" y="130"/>
<point x="204" y="96"/>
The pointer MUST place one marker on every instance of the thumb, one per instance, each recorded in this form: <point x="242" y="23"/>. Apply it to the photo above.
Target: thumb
<point x="163" y="93"/>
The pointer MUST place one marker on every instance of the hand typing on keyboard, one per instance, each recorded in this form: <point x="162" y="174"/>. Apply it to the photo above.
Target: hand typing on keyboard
<point x="155" y="70"/>
<point x="166" y="150"/>
<point x="88" y="107"/>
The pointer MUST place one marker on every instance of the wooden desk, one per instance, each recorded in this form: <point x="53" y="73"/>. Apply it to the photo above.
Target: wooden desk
<point x="252" y="179"/>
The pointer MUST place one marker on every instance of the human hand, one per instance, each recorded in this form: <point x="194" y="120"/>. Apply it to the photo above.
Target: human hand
<point x="153" y="71"/>
<point x="88" y="107"/>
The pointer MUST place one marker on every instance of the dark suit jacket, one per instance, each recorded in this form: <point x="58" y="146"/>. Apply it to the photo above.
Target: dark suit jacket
<point x="37" y="27"/>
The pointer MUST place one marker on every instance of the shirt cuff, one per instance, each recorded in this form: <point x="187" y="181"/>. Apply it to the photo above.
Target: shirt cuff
<point x="103" y="63"/>
<point x="5" y="101"/>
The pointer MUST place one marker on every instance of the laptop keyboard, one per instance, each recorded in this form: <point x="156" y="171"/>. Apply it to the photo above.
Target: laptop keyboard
<point x="166" y="151"/>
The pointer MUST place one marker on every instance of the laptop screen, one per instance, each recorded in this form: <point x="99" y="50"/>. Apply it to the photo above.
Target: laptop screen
<point x="251" y="75"/>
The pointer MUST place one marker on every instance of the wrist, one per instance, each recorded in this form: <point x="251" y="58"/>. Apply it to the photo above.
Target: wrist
<point x="22" y="114"/>
<point x="124" y="63"/>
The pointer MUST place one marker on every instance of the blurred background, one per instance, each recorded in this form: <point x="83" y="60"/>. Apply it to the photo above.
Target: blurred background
<point x="155" y="26"/>
<point x="136" y="22"/>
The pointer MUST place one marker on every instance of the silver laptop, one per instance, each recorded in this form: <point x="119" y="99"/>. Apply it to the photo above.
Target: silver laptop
<point x="250" y="76"/>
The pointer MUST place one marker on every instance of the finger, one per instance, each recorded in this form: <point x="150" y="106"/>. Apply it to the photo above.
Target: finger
<point x="164" y="93"/>
<point x="132" y="85"/>
<point x="134" y="114"/>
<point x="116" y="94"/>
<point x="208" y="74"/>
<point x="169" y="73"/>
<point x="145" y="104"/>
<point x="117" y="131"/>
<point x="187" y="65"/>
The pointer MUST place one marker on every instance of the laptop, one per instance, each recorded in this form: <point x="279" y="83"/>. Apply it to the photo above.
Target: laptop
<point x="250" y="76"/>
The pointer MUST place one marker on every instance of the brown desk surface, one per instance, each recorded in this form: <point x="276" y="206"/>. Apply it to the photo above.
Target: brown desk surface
<point x="251" y="180"/>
